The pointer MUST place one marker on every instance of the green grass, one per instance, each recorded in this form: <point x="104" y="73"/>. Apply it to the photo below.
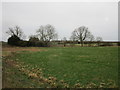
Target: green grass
<point x="76" y="64"/>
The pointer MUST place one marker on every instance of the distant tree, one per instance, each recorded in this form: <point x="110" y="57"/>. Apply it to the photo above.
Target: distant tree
<point x="99" y="39"/>
<point x="80" y="34"/>
<point x="73" y="38"/>
<point x="16" y="31"/>
<point x="91" y="39"/>
<point x="46" y="33"/>
<point x="64" y="41"/>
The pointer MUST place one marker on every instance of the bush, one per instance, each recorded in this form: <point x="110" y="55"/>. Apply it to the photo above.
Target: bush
<point x="42" y="44"/>
<point x="106" y="44"/>
<point x="34" y="41"/>
<point x="38" y="44"/>
<point x="23" y="43"/>
<point x="30" y="43"/>
<point x="13" y="40"/>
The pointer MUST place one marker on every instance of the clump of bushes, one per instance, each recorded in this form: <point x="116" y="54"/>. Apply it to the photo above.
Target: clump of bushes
<point x="38" y="44"/>
<point x="23" y="43"/>
<point x="34" y="42"/>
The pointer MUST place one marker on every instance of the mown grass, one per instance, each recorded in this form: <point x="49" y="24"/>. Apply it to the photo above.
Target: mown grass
<point x="82" y="65"/>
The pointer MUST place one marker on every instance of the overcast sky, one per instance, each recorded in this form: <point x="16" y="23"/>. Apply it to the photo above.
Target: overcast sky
<point x="101" y="18"/>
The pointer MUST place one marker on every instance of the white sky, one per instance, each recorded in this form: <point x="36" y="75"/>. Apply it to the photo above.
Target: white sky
<point x="101" y="18"/>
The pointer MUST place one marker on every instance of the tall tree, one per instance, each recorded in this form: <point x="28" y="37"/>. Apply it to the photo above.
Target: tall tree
<point x="16" y="31"/>
<point x="46" y="33"/>
<point x="80" y="34"/>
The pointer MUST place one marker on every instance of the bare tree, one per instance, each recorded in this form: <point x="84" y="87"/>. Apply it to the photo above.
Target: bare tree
<point x="46" y="33"/>
<point x="99" y="39"/>
<point x="73" y="38"/>
<point x="91" y="39"/>
<point x="64" y="41"/>
<point x="16" y="31"/>
<point x="51" y="33"/>
<point x="80" y="34"/>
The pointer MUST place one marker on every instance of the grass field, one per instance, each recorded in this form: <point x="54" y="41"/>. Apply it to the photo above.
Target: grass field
<point x="66" y="67"/>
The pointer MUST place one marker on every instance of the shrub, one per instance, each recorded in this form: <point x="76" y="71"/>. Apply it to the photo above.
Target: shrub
<point x="42" y="44"/>
<point x="118" y="43"/>
<point x="106" y="44"/>
<point x="30" y="43"/>
<point x="23" y="43"/>
<point x="13" y="40"/>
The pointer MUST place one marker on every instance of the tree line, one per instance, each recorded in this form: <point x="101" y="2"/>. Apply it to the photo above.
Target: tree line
<point x="46" y="34"/>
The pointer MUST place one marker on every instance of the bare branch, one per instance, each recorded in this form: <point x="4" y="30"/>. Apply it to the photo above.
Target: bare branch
<point x="46" y="33"/>
<point x="15" y="31"/>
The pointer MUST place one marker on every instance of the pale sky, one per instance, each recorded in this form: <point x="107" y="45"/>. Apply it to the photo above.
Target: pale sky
<point x="101" y="18"/>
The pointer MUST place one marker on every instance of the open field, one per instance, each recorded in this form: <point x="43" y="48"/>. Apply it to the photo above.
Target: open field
<point x="60" y="67"/>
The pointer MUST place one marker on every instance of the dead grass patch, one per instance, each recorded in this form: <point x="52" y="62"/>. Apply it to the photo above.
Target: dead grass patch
<point x="6" y="51"/>
<point x="14" y="49"/>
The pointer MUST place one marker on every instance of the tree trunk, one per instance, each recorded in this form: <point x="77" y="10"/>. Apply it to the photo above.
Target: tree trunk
<point x="82" y="43"/>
